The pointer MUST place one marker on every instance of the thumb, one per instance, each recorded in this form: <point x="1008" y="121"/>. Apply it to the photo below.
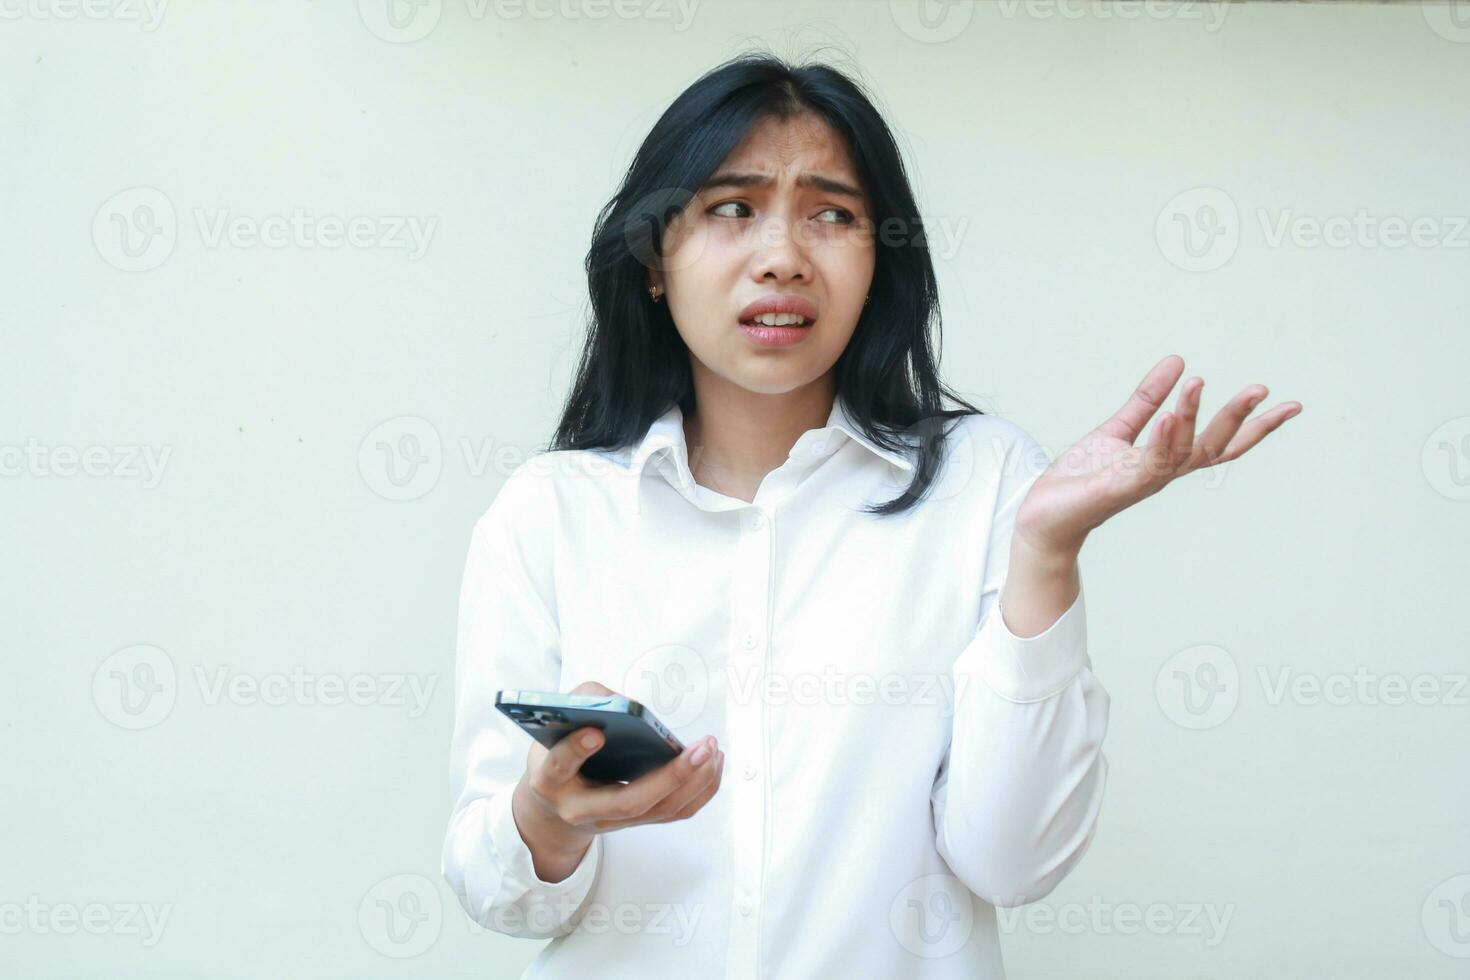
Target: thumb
<point x="566" y="756"/>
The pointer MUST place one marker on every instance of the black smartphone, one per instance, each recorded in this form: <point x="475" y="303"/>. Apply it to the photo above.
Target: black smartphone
<point x="634" y="740"/>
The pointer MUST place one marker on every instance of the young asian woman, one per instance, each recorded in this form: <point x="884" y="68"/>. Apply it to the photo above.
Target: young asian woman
<point x="861" y="609"/>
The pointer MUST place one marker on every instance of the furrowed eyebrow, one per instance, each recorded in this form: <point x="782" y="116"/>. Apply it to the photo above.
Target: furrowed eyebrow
<point x="735" y="179"/>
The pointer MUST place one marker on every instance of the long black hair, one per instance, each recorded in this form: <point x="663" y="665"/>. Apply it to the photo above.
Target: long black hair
<point x="634" y="365"/>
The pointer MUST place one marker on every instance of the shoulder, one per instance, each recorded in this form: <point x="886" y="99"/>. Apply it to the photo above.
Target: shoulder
<point x="994" y="437"/>
<point x="990" y="427"/>
<point x="988" y="453"/>
<point x="539" y="487"/>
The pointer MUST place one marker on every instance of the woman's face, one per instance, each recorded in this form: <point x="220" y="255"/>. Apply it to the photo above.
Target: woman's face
<point x="783" y="214"/>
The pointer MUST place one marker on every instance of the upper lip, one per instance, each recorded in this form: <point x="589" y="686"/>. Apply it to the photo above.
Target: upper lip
<point x="780" y="303"/>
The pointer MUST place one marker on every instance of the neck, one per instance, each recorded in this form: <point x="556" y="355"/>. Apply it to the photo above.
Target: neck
<point x="736" y="436"/>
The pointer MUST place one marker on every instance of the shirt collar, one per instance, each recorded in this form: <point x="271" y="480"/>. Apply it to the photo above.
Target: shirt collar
<point x="667" y="434"/>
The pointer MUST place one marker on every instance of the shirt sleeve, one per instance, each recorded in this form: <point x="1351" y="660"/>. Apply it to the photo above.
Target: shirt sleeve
<point x="1017" y="796"/>
<point x="507" y="638"/>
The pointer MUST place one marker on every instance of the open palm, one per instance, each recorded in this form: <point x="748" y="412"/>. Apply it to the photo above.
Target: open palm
<point x="1104" y="472"/>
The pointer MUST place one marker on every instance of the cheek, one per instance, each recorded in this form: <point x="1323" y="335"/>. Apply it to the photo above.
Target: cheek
<point x="684" y="248"/>
<point x="845" y="263"/>
<point x="834" y="340"/>
<point x="698" y="320"/>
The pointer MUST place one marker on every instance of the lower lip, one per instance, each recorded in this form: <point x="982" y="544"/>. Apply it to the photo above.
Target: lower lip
<point x="775" y="336"/>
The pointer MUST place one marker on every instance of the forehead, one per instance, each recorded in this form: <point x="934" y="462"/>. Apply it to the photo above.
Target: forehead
<point x="804" y="142"/>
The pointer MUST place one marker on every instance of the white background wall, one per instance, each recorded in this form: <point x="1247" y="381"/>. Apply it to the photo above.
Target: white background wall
<point x="1281" y="836"/>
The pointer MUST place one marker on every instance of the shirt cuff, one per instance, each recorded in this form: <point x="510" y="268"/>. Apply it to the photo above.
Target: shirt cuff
<point x="1031" y="668"/>
<point x="519" y="866"/>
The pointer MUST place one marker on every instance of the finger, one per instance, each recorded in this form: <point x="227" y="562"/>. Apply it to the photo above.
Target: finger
<point x="1129" y="420"/>
<point x="564" y="759"/>
<point x="1258" y="428"/>
<point x="1223" y="426"/>
<point x="1156" y="450"/>
<point x="592" y="687"/>
<point x="698" y="804"/>
<point x="1181" y="438"/>
<point x="707" y="776"/>
<point x="626" y="801"/>
<point x="700" y="787"/>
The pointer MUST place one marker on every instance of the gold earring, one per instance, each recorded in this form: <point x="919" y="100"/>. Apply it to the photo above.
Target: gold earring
<point x="653" y="293"/>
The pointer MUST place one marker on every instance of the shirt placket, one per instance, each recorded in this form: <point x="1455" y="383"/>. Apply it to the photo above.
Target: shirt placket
<point x="750" y="602"/>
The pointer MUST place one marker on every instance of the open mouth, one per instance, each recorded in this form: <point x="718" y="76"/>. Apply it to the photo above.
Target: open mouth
<point x="777" y="320"/>
<point x="780" y="330"/>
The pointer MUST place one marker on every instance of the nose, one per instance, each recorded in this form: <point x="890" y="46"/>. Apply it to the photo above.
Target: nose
<point x="778" y="255"/>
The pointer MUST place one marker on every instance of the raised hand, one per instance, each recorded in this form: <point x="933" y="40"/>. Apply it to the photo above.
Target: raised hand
<point x="1104" y="472"/>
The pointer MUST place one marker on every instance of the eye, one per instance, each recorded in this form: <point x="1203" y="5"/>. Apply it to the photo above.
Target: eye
<point x="728" y="204"/>
<point x="844" y="216"/>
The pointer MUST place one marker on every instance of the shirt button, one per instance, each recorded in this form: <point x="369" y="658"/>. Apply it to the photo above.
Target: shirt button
<point x="748" y="641"/>
<point x="744" y="906"/>
<point x="754" y="521"/>
<point x="750" y="772"/>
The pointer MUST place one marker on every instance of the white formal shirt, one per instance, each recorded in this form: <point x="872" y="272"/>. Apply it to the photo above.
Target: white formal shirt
<point x="898" y="763"/>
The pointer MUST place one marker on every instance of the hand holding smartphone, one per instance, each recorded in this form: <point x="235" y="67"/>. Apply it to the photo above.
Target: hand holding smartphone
<point x="636" y="742"/>
<point x="558" y="810"/>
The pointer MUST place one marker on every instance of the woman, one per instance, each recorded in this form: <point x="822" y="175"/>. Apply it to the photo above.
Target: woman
<point x="758" y="518"/>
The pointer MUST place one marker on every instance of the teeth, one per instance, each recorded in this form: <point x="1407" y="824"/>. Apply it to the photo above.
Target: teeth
<point x="780" y="319"/>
